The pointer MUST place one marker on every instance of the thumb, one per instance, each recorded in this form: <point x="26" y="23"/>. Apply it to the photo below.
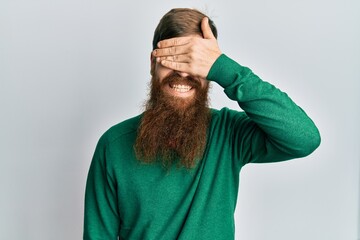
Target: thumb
<point x="206" y="30"/>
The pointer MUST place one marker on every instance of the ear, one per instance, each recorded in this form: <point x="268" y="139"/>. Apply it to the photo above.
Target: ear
<point x="152" y="64"/>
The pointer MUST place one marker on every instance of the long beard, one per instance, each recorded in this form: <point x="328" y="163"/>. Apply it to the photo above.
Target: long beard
<point x="173" y="130"/>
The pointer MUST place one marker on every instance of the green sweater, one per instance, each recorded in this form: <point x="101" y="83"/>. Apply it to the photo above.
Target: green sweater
<point x="131" y="200"/>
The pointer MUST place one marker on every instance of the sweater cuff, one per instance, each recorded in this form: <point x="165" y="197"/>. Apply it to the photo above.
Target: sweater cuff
<point x="224" y="71"/>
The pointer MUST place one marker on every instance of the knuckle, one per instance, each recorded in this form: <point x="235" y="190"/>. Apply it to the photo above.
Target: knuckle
<point x="191" y="57"/>
<point x="192" y="68"/>
<point x="177" y="66"/>
<point x="192" y="48"/>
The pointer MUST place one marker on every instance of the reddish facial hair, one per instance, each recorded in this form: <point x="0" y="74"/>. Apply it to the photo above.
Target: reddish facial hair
<point x="173" y="129"/>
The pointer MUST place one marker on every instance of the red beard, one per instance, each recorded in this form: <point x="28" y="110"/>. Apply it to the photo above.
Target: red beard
<point x="172" y="129"/>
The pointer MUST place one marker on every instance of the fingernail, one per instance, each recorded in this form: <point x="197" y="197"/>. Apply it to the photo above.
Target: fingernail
<point x="154" y="52"/>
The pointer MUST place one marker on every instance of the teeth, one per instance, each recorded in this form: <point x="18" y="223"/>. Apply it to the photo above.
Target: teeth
<point x="181" y="88"/>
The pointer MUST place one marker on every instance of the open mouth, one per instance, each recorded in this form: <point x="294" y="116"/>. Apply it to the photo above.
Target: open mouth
<point x="180" y="88"/>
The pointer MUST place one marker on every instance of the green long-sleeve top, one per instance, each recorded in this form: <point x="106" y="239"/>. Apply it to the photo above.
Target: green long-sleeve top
<point x="127" y="199"/>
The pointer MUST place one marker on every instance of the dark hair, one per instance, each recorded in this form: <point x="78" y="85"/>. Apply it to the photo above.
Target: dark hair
<point x="180" y="22"/>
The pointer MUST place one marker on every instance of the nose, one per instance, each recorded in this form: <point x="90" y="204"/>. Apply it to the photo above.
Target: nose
<point x="183" y="74"/>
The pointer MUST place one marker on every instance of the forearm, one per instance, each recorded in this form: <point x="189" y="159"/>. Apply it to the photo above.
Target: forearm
<point x="286" y="126"/>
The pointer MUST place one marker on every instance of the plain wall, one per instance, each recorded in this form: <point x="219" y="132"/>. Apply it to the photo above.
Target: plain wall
<point x="70" y="69"/>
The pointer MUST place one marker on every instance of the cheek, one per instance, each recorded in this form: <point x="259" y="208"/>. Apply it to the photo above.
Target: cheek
<point x="204" y="83"/>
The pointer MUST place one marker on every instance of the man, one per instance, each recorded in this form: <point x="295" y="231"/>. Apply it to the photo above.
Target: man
<point x="173" y="171"/>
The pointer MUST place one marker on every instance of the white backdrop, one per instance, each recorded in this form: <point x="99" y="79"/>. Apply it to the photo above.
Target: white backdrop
<point x="70" y="69"/>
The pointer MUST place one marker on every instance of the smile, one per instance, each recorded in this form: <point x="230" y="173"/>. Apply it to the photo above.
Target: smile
<point x="181" y="88"/>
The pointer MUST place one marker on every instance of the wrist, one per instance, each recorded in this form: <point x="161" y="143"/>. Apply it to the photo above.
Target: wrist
<point x="223" y="71"/>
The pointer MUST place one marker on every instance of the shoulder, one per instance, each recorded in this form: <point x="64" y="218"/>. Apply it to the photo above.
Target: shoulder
<point x="229" y="119"/>
<point x="227" y="114"/>
<point x="121" y="129"/>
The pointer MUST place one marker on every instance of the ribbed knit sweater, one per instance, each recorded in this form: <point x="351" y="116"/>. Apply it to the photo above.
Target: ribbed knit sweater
<point x="127" y="199"/>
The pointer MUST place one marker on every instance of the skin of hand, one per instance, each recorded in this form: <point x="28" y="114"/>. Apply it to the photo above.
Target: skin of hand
<point x="191" y="54"/>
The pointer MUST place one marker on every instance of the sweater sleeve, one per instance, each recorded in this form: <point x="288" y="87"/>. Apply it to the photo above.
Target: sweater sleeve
<point x="101" y="218"/>
<point x="276" y="129"/>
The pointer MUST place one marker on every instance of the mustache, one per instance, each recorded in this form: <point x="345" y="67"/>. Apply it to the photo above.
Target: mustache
<point x="175" y="78"/>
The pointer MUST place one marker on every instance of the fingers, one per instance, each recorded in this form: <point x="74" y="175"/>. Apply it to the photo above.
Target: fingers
<point x="178" y="41"/>
<point x="192" y="54"/>
<point x="206" y="30"/>
<point x="170" y="51"/>
<point x="175" y="58"/>
<point x="177" y="66"/>
<point x="174" y="53"/>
